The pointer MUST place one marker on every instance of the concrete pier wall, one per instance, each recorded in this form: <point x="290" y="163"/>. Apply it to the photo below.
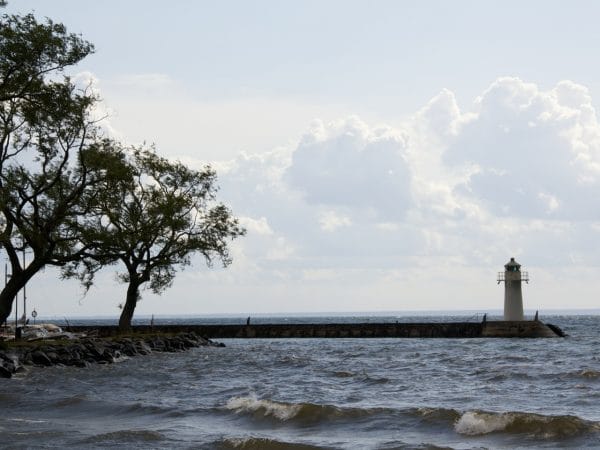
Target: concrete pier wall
<point x="504" y="329"/>
<point x="529" y="329"/>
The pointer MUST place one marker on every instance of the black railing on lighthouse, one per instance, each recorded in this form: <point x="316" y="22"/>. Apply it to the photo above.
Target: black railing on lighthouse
<point x="524" y="277"/>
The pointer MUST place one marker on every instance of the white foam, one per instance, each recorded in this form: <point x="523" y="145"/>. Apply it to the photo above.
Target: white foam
<point x="282" y="411"/>
<point x="474" y="423"/>
<point x="15" y="419"/>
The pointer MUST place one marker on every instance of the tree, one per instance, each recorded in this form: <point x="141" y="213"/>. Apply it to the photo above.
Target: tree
<point x="31" y="52"/>
<point x="52" y="153"/>
<point x="153" y="223"/>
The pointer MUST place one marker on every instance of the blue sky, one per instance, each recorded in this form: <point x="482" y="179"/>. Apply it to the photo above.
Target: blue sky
<point x="383" y="155"/>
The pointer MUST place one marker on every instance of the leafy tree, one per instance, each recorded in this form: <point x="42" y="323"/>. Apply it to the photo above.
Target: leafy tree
<point x="30" y="52"/>
<point x="153" y="224"/>
<point x="52" y="154"/>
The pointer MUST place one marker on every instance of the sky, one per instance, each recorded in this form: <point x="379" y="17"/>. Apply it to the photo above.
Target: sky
<point x="383" y="156"/>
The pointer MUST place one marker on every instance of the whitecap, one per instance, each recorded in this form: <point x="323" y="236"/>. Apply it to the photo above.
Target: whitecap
<point x="474" y="423"/>
<point x="252" y="404"/>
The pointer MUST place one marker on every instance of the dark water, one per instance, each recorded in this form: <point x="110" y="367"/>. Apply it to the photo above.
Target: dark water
<point x="318" y="393"/>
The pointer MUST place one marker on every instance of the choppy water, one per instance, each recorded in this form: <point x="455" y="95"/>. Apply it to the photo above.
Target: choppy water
<point x="319" y="393"/>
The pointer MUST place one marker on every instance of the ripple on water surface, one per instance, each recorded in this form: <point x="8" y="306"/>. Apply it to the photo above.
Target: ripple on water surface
<point x="321" y="393"/>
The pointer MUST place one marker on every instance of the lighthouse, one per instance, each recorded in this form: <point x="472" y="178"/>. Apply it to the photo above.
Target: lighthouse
<point x="513" y="297"/>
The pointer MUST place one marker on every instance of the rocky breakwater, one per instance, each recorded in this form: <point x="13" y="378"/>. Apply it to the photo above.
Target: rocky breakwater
<point x="82" y="352"/>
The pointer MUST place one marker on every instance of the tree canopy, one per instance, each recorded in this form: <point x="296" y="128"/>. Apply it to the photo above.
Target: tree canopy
<point x="76" y="198"/>
<point x="52" y="153"/>
<point x="153" y="223"/>
<point x="31" y="51"/>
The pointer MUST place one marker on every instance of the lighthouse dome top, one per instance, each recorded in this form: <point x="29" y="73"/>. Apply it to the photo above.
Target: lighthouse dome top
<point x="512" y="265"/>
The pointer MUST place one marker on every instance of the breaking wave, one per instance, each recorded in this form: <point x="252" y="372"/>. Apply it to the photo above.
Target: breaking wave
<point x="470" y="423"/>
<point x="304" y="412"/>
<point x="474" y="423"/>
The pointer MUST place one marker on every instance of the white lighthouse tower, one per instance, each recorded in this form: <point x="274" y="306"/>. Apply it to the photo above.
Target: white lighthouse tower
<point x="513" y="297"/>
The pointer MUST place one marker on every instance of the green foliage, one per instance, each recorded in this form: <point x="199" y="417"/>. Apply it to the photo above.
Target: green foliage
<point x="52" y="153"/>
<point x="30" y="51"/>
<point x="77" y="199"/>
<point x="153" y="223"/>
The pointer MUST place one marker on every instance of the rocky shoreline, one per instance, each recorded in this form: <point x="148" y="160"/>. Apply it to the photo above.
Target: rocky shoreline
<point x="85" y="351"/>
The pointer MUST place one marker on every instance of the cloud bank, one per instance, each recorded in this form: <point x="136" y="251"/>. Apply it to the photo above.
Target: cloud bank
<point x="418" y="214"/>
<point x="450" y="190"/>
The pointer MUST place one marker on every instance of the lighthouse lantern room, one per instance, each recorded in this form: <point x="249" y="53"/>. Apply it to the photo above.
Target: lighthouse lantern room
<point x="513" y="297"/>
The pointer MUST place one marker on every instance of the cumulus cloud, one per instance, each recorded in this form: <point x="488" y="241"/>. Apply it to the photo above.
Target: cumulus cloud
<point x="258" y="226"/>
<point x="331" y="221"/>
<point x="534" y="153"/>
<point x="88" y="82"/>
<point x="347" y="163"/>
<point x="510" y="175"/>
<point x="418" y="214"/>
<point x="340" y="231"/>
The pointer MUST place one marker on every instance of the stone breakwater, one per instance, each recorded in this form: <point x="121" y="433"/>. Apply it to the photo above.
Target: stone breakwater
<point x="461" y="330"/>
<point x="86" y="351"/>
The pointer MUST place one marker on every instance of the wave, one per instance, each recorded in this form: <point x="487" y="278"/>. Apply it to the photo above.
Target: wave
<point x="343" y="374"/>
<point x="588" y="374"/>
<point x="475" y="423"/>
<point x="254" y="443"/>
<point x="398" y="445"/>
<point x="124" y="436"/>
<point x="82" y="404"/>
<point x="362" y="376"/>
<point x="368" y="379"/>
<point x="139" y="408"/>
<point x="305" y="412"/>
<point x="442" y="415"/>
<point x="19" y="419"/>
<point x="69" y="401"/>
<point x="470" y="423"/>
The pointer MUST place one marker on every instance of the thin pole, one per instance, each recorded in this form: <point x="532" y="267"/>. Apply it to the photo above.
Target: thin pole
<point x="16" y="313"/>
<point x="5" y="283"/>
<point x="24" y="290"/>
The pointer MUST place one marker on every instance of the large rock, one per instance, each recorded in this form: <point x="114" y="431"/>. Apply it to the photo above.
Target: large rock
<point x="8" y="366"/>
<point x="40" y="358"/>
<point x="86" y="351"/>
<point x="5" y="370"/>
<point x="143" y="348"/>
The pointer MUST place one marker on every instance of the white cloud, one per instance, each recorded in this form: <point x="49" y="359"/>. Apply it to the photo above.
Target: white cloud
<point x="415" y="215"/>
<point x="347" y="163"/>
<point x="258" y="226"/>
<point x="331" y="221"/>
<point x="536" y="152"/>
<point x="100" y="112"/>
<point x="327" y="198"/>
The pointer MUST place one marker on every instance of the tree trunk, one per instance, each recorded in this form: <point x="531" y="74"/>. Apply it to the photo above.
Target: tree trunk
<point x="15" y="283"/>
<point x="7" y="297"/>
<point x="133" y="295"/>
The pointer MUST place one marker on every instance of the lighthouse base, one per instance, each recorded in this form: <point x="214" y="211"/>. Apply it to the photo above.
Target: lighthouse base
<point x="518" y="328"/>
